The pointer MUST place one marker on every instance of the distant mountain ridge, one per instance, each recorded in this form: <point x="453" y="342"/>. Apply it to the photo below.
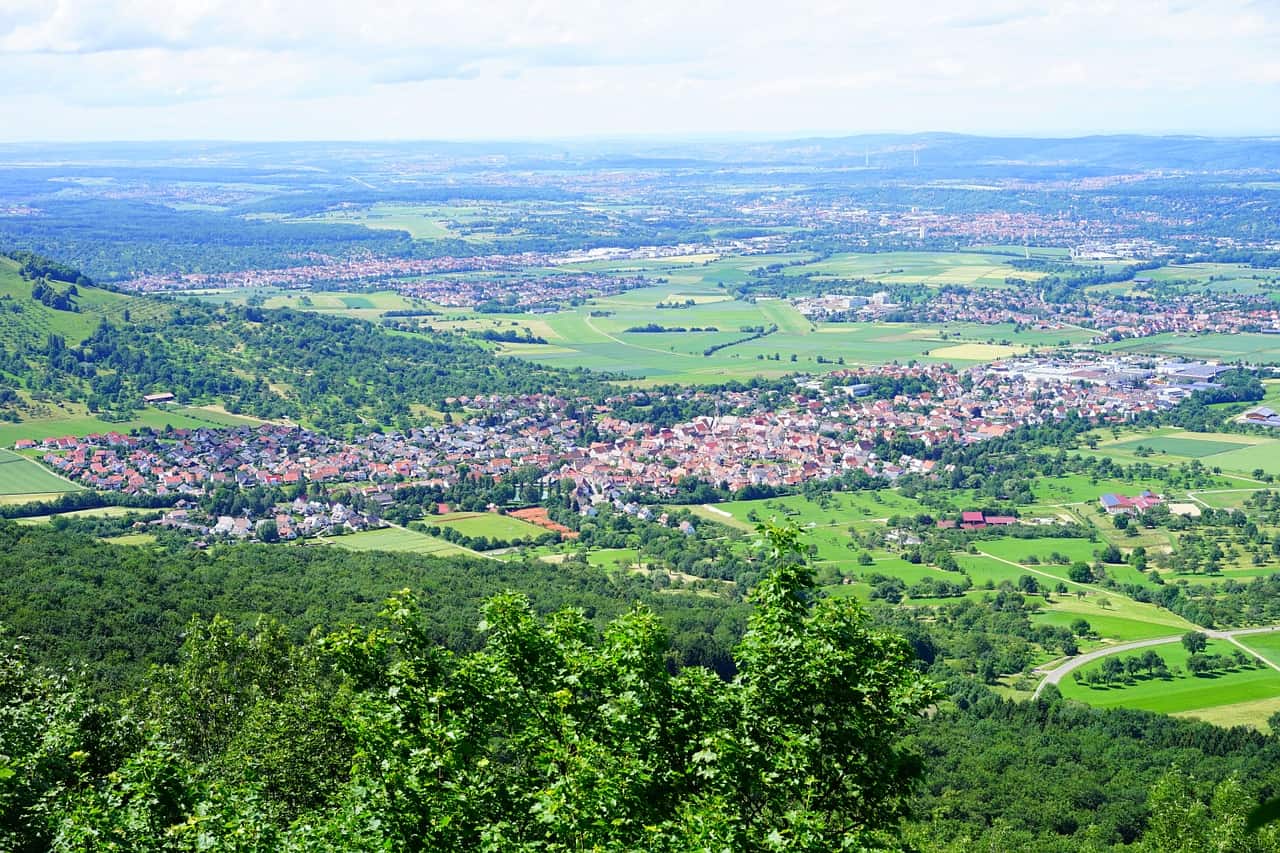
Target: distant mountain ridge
<point x="879" y="150"/>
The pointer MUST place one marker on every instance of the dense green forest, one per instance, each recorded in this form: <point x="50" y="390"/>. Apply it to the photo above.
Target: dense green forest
<point x="550" y="735"/>
<point x="230" y="700"/>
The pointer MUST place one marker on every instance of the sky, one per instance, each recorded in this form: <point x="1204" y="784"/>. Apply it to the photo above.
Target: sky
<point x="528" y="69"/>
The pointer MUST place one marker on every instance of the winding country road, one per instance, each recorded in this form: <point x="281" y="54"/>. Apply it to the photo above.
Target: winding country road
<point x="1056" y="674"/>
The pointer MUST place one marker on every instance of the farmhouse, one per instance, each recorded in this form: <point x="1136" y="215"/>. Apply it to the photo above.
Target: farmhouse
<point x="162" y="397"/>
<point x="1123" y="505"/>
<point x="975" y="520"/>
<point x="1262" y="416"/>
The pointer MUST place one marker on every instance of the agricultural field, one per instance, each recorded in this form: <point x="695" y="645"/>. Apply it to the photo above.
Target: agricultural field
<point x="1248" y="347"/>
<point x="597" y="336"/>
<point x="1113" y="617"/>
<point x="421" y="221"/>
<point x="398" y="539"/>
<point x="1218" y="277"/>
<point x="1242" y="454"/>
<point x="22" y="476"/>
<point x="931" y="268"/>
<point x="1182" y="692"/>
<point x="70" y="420"/>
<point x="488" y="524"/>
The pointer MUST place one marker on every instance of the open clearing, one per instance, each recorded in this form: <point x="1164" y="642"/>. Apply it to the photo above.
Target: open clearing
<point x="1242" y="454"/>
<point x="22" y="476"/>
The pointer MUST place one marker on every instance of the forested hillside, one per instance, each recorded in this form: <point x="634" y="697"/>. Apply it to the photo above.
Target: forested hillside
<point x="106" y="350"/>
<point x="549" y="736"/>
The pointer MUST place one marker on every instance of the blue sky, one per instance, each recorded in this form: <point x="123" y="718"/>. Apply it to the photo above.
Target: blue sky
<point x="493" y="69"/>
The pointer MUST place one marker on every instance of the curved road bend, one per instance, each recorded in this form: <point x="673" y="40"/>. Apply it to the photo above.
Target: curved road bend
<point x="1056" y="674"/>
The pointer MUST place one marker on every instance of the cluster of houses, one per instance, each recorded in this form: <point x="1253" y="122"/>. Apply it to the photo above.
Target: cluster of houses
<point x="298" y="519"/>
<point x="829" y="430"/>
<point x="1108" y="318"/>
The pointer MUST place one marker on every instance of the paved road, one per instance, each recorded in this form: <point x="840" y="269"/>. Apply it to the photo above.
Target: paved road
<point x="1056" y="674"/>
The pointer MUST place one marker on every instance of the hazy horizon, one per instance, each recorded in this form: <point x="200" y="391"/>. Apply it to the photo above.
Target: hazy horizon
<point x="228" y="70"/>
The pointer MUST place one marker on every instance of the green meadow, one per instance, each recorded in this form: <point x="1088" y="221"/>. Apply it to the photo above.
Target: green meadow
<point x="22" y="476"/>
<point x="1182" y="692"/>
<point x="597" y="336"/>
<point x="931" y="268"/>
<point x="1231" y="452"/>
<point x="488" y="524"/>
<point x="1266" y="644"/>
<point x="70" y="422"/>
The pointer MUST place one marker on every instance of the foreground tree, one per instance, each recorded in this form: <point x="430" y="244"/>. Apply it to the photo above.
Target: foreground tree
<point x="548" y="740"/>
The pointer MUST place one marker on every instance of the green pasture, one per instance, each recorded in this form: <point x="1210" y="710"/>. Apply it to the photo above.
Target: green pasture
<point x="22" y="476"/>
<point x="398" y="539"/>
<point x="982" y="570"/>
<point x="26" y="321"/>
<point x="1183" y="692"/>
<point x="831" y="510"/>
<point x="422" y="221"/>
<point x="1082" y="488"/>
<point x="1019" y="550"/>
<point x="1218" y="277"/>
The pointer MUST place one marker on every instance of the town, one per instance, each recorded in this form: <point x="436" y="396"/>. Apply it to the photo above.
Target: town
<point x="825" y="428"/>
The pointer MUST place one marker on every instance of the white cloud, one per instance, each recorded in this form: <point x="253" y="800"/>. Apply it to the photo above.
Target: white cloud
<point x="480" y="68"/>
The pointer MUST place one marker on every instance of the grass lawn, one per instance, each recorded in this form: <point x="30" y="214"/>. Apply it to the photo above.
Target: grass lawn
<point x="1018" y="550"/>
<point x="489" y="524"/>
<point x="837" y="509"/>
<point x="982" y="569"/>
<point x="398" y="539"/>
<point x="22" y="476"/>
<point x="612" y="558"/>
<point x="1081" y="488"/>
